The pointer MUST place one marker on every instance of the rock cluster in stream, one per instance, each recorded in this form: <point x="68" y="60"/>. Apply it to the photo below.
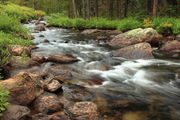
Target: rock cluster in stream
<point x="34" y="95"/>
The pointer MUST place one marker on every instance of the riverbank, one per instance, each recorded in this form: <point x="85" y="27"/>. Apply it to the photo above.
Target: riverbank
<point x="12" y="32"/>
<point x="164" y="25"/>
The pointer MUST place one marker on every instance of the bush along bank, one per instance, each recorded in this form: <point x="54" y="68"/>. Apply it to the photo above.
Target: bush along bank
<point x="163" y="25"/>
<point x="12" y="32"/>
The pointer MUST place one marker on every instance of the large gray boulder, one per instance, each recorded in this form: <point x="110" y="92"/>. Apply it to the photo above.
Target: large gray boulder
<point x="133" y="37"/>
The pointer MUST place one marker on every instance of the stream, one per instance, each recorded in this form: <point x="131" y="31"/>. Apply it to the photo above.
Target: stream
<point x="122" y="89"/>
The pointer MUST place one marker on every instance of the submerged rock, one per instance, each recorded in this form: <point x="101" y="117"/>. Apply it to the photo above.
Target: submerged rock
<point x="137" y="51"/>
<point x="23" y="88"/>
<point x="40" y="27"/>
<point x="84" y="111"/>
<point x="133" y="37"/>
<point x="62" y="58"/>
<point x="47" y="103"/>
<point x="16" y="112"/>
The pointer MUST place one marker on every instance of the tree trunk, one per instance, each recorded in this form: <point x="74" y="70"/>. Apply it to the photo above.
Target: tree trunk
<point x="155" y="7"/>
<point x="126" y="8"/>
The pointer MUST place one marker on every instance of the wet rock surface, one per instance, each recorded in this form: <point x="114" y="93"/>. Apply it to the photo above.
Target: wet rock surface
<point x="16" y="112"/>
<point x="47" y="103"/>
<point x="137" y="51"/>
<point x="84" y="111"/>
<point x="62" y="58"/>
<point x="23" y="88"/>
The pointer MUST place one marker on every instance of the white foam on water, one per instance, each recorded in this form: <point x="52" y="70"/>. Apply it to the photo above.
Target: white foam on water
<point x="131" y="72"/>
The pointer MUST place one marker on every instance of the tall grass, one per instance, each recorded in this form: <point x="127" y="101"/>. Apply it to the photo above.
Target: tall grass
<point x="125" y="24"/>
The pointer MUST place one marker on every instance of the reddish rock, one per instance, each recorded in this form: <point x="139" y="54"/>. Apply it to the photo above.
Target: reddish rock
<point x="19" y="50"/>
<point x="20" y="62"/>
<point x="133" y="37"/>
<point x="62" y="58"/>
<point x="38" y="57"/>
<point x="137" y="51"/>
<point x="52" y="85"/>
<point x="23" y="88"/>
<point x="16" y="112"/>
<point x="171" y="45"/>
<point x="47" y="103"/>
<point x="84" y="111"/>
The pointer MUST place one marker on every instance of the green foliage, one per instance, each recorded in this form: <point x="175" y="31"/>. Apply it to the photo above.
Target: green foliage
<point x="159" y="21"/>
<point x="59" y="20"/>
<point x="12" y="25"/>
<point x="3" y="101"/>
<point x="5" y="41"/>
<point x="129" y="24"/>
<point x="20" y="12"/>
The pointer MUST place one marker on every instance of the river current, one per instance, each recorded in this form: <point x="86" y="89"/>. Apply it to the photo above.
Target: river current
<point x="136" y="89"/>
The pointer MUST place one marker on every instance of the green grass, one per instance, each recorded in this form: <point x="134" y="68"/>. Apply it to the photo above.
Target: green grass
<point x="125" y="24"/>
<point x="12" y="25"/>
<point x="20" y="12"/>
<point x="3" y="100"/>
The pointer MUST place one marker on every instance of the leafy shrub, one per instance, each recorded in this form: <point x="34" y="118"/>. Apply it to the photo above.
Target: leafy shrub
<point x="3" y="101"/>
<point x="12" y="25"/>
<point x="174" y="23"/>
<point x="129" y="24"/>
<point x="148" y="23"/>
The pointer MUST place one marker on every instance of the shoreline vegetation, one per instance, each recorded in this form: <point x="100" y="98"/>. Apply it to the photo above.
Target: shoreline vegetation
<point x="164" y="25"/>
<point x="12" y="32"/>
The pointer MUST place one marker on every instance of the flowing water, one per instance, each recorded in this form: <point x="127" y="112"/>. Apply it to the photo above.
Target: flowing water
<point x="123" y="89"/>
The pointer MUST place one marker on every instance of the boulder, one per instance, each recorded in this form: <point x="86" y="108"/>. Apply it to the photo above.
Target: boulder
<point x="47" y="103"/>
<point x="52" y="85"/>
<point x="137" y="51"/>
<point x="178" y="37"/>
<point x="21" y="62"/>
<point x="171" y="45"/>
<point x="62" y="58"/>
<point x="16" y="112"/>
<point x="23" y="88"/>
<point x="40" y="27"/>
<point x="90" y="31"/>
<point x="19" y="50"/>
<point x="83" y="111"/>
<point x="133" y="37"/>
<point x="38" y="57"/>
